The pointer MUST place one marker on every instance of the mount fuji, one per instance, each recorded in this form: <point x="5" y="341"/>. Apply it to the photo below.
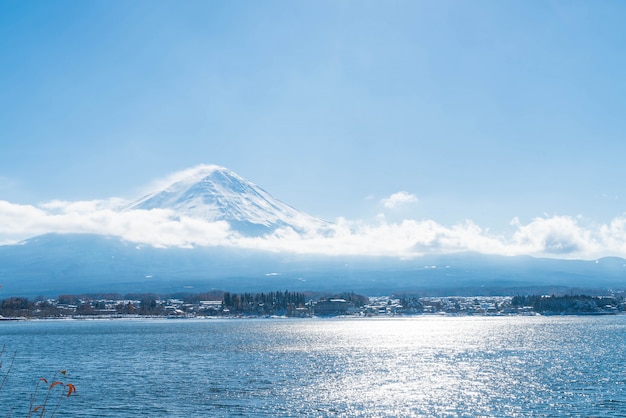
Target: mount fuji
<point x="55" y="263"/>
<point x="215" y="193"/>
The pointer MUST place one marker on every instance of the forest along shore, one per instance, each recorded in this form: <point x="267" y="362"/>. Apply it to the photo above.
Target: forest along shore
<point x="301" y="305"/>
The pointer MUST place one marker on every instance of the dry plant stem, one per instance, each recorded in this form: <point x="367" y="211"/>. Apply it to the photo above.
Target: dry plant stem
<point x="45" y="402"/>
<point x="41" y="409"/>
<point x="33" y="397"/>
<point x="61" y="395"/>
<point x="6" y="375"/>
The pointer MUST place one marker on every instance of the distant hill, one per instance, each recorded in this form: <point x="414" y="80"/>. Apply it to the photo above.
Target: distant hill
<point x="80" y="263"/>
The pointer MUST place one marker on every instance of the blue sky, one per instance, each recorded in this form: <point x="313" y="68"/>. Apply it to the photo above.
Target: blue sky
<point x="497" y="113"/>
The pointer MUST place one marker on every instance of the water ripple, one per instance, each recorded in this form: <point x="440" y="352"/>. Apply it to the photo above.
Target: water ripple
<point x="417" y="367"/>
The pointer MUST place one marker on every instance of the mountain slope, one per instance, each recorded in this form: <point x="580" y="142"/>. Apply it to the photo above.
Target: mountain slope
<point x="214" y="193"/>
<point x="54" y="264"/>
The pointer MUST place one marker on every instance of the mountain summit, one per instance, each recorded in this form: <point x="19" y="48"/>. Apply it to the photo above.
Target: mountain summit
<point x="215" y="193"/>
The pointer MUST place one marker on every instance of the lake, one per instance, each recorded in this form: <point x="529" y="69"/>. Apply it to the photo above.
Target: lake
<point x="421" y="366"/>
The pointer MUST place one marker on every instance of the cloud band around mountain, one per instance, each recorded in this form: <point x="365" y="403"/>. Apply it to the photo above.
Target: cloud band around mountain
<point x="550" y="236"/>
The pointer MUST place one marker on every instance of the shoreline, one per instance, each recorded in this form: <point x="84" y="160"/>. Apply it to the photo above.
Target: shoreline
<point x="313" y="317"/>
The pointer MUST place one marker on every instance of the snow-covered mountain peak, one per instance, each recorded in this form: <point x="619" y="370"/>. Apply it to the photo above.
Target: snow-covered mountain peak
<point x="196" y="174"/>
<point x="215" y="193"/>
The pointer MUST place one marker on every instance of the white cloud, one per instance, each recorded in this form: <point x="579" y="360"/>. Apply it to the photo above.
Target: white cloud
<point x="398" y="199"/>
<point x="557" y="235"/>
<point x="156" y="227"/>
<point x="546" y="236"/>
<point x="83" y="206"/>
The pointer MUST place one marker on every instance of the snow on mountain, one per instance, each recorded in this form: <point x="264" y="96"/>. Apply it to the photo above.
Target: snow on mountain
<point x="215" y="193"/>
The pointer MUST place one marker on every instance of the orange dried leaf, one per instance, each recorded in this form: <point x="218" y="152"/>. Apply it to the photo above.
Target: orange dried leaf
<point x="38" y="408"/>
<point x="70" y="389"/>
<point x="53" y="384"/>
<point x="44" y="380"/>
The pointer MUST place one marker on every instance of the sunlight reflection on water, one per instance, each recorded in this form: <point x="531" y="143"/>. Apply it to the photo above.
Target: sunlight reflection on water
<point x="425" y="366"/>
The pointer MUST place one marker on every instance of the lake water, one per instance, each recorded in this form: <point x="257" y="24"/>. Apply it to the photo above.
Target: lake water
<point x="423" y="366"/>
